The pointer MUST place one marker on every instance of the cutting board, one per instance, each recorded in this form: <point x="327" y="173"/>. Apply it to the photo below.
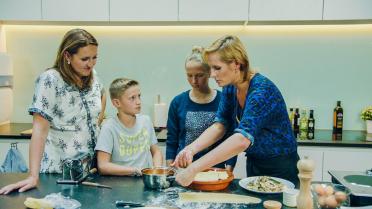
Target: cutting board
<point x="212" y="197"/>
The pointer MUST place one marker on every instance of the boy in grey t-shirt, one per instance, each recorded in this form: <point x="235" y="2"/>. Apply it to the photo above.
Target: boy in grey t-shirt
<point x="127" y="142"/>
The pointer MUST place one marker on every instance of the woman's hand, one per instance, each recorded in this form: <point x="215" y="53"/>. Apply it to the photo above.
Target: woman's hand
<point x="184" y="177"/>
<point x="184" y="158"/>
<point x="24" y="185"/>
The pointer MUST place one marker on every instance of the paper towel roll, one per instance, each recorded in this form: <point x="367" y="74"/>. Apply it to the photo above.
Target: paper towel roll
<point x="6" y="103"/>
<point x="5" y="64"/>
<point x="160" y="115"/>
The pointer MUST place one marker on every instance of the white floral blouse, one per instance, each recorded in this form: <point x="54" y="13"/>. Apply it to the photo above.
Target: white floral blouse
<point x="72" y="114"/>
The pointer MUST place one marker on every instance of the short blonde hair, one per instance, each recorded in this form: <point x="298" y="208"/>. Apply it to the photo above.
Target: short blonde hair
<point x="119" y="86"/>
<point x="230" y="49"/>
<point x="197" y="56"/>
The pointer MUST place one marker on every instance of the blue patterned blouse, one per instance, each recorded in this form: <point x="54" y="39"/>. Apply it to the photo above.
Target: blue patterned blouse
<point x="72" y="115"/>
<point x="263" y="120"/>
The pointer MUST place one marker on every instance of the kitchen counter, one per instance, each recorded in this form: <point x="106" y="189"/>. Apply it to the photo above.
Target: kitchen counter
<point x="322" y="137"/>
<point x="123" y="188"/>
<point x="13" y="131"/>
<point x="359" y="183"/>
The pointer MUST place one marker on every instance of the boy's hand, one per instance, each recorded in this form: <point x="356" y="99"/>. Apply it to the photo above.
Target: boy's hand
<point x="137" y="172"/>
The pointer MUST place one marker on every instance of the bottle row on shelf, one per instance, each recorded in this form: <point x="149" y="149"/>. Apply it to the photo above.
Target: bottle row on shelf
<point x="303" y="124"/>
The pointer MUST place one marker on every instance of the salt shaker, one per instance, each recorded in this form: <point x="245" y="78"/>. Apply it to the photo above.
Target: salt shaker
<point x="305" y="167"/>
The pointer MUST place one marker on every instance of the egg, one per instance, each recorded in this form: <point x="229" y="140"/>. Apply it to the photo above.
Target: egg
<point x="329" y="190"/>
<point x="319" y="189"/>
<point x="331" y="202"/>
<point x="340" y="197"/>
<point x="321" y="201"/>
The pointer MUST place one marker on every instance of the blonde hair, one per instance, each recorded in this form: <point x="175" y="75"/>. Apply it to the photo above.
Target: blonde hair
<point x="71" y="43"/>
<point x="230" y="49"/>
<point x="197" y="56"/>
<point x="119" y="86"/>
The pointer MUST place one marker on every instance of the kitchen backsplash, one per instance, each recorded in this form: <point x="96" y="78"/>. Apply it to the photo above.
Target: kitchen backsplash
<point x="314" y="66"/>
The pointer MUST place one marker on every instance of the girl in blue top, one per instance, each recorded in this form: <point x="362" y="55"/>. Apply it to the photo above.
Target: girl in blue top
<point x="252" y="110"/>
<point x="193" y="111"/>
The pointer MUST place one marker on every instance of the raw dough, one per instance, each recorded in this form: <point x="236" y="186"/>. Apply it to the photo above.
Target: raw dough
<point x="211" y="176"/>
<point x="217" y="198"/>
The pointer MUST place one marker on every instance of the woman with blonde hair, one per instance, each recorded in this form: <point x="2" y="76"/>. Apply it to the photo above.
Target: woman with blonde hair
<point x="193" y="111"/>
<point x="253" y="112"/>
<point x="66" y="109"/>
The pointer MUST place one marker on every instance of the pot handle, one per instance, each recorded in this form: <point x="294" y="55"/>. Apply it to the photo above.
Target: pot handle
<point x="174" y="169"/>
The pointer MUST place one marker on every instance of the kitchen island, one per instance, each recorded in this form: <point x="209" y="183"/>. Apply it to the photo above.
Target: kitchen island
<point x="123" y="188"/>
<point x="351" y="150"/>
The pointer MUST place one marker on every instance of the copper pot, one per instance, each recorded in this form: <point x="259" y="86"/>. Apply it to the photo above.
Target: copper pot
<point x="158" y="177"/>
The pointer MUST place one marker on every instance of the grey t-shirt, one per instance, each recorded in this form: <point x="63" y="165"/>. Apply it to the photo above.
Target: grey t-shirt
<point x="128" y="146"/>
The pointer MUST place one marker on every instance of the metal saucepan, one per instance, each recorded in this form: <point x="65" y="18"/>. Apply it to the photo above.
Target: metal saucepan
<point x="158" y="177"/>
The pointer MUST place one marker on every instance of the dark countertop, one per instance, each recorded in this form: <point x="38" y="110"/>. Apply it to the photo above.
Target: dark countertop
<point x="322" y="137"/>
<point x="13" y="130"/>
<point x="123" y="188"/>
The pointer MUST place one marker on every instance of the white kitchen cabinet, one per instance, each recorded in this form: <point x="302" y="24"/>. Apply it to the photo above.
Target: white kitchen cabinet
<point x="72" y="10"/>
<point x="143" y="10"/>
<point x="211" y="10"/>
<point x="21" y="10"/>
<point x="346" y="159"/>
<point x="22" y="146"/>
<point x="347" y="9"/>
<point x="274" y="10"/>
<point x="317" y="156"/>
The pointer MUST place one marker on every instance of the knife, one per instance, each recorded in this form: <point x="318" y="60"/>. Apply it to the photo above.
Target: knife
<point x="121" y="203"/>
<point x="88" y="183"/>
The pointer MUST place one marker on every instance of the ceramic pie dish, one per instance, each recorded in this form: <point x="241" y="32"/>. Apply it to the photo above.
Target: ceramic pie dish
<point x="213" y="185"/>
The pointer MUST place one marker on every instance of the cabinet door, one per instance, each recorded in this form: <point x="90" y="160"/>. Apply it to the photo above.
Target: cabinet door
<point x="274" y="10"/>
<point x="317" y="156"/>
<point x="20" y="10"/>
<point x="72" y="10"/>
<point x="343" y="159"/>
<point x="211" y="10"/>
<point x="347" y="9"/>
<point x="143" y="10"/>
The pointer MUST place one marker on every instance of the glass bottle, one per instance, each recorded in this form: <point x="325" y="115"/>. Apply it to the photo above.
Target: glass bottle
<point x="311" y="126"/>
<point x="296" y="120"/>
<point x="291" y="115"/>
<point x="338" y="115"/>
<point x="303" y="125"/>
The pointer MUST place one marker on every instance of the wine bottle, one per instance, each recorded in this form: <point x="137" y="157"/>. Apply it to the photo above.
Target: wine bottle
<point x="296" y="120"/>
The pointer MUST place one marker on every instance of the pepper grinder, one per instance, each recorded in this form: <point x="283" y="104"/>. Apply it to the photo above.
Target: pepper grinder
<point x="305" y="167"/>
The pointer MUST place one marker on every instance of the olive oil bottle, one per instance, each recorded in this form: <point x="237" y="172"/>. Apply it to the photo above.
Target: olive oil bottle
<point x="338" y="116"/>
